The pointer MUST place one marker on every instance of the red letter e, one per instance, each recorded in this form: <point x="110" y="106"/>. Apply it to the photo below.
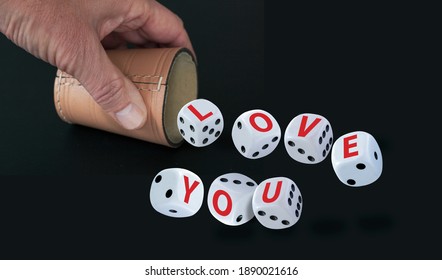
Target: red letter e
<point x="348" y="146"/>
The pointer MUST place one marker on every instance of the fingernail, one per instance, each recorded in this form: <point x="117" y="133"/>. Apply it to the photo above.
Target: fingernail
<point x="130" y="117"/>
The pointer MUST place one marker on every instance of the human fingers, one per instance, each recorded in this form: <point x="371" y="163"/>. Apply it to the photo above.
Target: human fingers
<point x="61" y="33"/>
<point x="110" y="88"/>
<point x="164" y="27"/>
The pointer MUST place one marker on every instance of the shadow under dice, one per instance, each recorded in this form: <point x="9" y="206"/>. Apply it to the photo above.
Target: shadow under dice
<point x="200" y="122"/>
<point x="357" y="159"/>
<point x="277" y="203"/>
<point x="230" y="198"/>
<point x="177" y="193"/>
<point x="256" y="134"/>
<point x="308" y="138"/>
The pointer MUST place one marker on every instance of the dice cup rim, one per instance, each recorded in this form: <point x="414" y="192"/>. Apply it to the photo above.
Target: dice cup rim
<point x="181" y="87"/>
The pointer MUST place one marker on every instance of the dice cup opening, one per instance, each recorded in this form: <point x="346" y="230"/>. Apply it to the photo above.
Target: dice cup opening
<point x="182" y="87"/>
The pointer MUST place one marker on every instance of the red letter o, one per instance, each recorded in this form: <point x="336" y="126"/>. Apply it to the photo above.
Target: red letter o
<point x="266" y="119"/>
<point x="228" y="209"/>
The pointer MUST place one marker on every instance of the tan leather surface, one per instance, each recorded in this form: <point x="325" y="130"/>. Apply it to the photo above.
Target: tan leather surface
<point x="150" y="70"/>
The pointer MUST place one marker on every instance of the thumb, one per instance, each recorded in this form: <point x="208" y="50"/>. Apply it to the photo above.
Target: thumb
<point x="112" y="91"/>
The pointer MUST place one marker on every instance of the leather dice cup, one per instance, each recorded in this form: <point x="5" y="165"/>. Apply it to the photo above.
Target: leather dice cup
<point x="166" y="79"/>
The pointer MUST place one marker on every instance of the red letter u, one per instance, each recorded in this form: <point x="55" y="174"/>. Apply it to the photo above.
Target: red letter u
<point x="265" y="194"/>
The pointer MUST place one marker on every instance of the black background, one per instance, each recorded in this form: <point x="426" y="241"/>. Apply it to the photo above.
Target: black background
<point x="71" y="192"/>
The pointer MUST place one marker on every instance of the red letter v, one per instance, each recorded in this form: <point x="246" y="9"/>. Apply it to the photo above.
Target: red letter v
<point x="303" y="130"/>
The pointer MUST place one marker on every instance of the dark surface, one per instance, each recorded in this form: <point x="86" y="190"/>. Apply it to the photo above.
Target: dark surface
<point x="71" y="192"/>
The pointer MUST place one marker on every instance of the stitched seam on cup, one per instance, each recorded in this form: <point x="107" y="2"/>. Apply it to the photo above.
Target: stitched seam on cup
<point x="134" y="78"/>
<point x="65" y="83"/>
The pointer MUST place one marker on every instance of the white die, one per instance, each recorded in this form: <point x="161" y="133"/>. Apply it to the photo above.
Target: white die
<point x="357" y="159"/>
<point x="256" y="134"/>
<point x="308" y="138"/>
<point x="177" y="193"/>
<point x="230" y="198"/>
<point x="200" y="122"/>
<point x="277" y="203"/>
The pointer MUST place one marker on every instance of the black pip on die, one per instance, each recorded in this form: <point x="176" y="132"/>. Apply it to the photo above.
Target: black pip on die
<point x="308" y="138"/>
<point x="230" y="199"/>
<point x="200" y="122"/>
<point x="256" y="134"/>
<point x="177" y="193"/>
<point x="357" y="159"/>
<point x="277" y="203"/>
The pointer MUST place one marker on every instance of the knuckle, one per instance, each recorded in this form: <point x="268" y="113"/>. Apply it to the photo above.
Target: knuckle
<point x="179" y="20"/>
<point x="108" y="94"/>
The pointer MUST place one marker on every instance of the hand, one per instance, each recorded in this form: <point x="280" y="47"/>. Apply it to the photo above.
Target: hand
<point x="72" y="35"/>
